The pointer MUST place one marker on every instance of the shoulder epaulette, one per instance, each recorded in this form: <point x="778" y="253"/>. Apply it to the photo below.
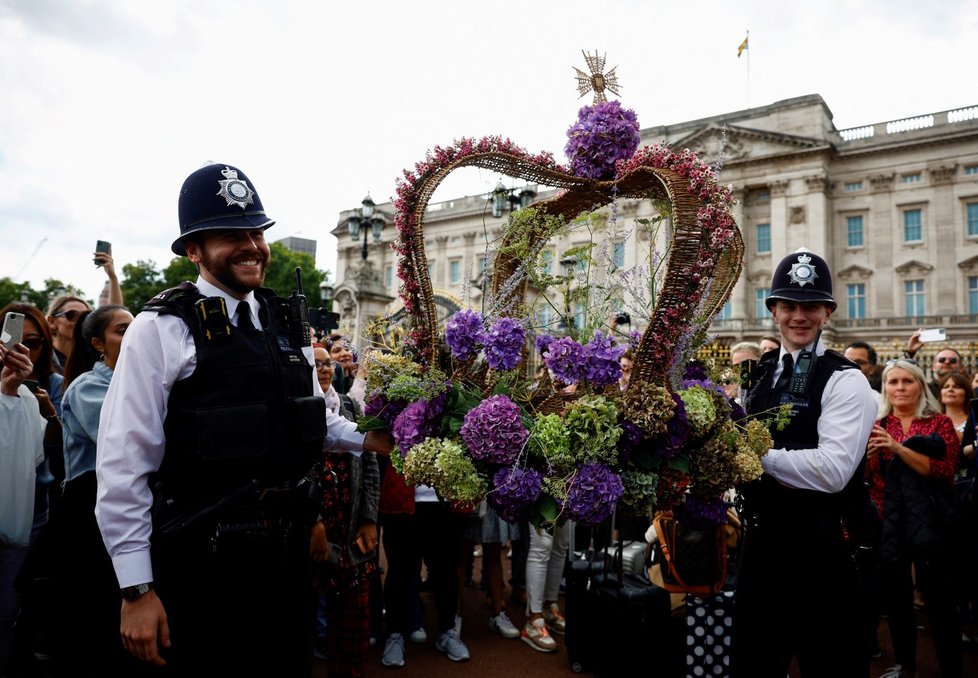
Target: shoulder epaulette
<point x="165" y="299"/>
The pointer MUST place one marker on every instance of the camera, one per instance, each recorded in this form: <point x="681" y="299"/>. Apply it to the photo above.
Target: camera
<point x="623" y="319"/>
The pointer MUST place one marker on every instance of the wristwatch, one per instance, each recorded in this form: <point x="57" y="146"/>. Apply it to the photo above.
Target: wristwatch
<point x="132" y="593"/>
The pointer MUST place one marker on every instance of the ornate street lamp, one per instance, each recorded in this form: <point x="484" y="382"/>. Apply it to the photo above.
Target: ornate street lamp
<point x="502" y="196"/>
<point x="365" y="220"/>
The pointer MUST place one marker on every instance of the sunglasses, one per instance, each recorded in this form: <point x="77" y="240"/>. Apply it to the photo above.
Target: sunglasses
<point x="71" y="315"/>
<point x="952" y="360"/>
<point x="33" y="343"/>
<point x="320" y="365"/>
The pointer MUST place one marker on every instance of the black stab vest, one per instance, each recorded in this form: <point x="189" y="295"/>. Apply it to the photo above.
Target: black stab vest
<point x="766" y="501"/>
<point x="247" y="413"/>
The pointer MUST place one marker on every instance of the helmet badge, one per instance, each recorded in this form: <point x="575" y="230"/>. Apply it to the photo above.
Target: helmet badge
<point x="236" y="191"/>
<point x="803" y="273"/>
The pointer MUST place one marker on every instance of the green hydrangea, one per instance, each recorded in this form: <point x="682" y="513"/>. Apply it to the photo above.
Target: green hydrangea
<point x="700" y="409"/>
<point x="412" y="387"/>
<point x="758" y="437"/>
<point x="458" y="479"/>
<point x="639" y="493"/>
<point x="594" y="431"/>
<point x="383" y="368"/>
<point x="419" y="465"/>
<point x="551" y="439"/>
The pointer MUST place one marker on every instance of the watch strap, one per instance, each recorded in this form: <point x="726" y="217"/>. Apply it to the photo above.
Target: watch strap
<point x="132" y="593"/>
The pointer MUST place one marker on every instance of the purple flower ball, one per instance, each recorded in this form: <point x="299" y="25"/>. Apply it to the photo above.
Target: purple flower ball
<point x="593" y="494"/>
<point x="494" y="432"/>
<point x="464" y="334"/>
<point x="701" y="513"/>
<point x="417" y="421"/>
<point x="515" y="489"/>
<point x="603" y="134"/>
<point x="567" y="360"/>
<point x="504" y="344"/>
<point x="543" y="342"/>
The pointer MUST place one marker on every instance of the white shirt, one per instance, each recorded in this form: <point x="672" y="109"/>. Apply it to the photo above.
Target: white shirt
<point x="848" y="413"/>
<point x="21" y="450"/>
<point x="158" y="351"/>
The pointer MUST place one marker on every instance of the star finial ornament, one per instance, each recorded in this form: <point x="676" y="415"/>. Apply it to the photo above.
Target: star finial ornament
<point x="598" y="81"/>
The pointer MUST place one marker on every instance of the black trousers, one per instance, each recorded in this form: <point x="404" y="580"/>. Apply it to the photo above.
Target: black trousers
<point x="242" y="608"/>
<point x="936" y="581"/>
<point x="798" y="596"/>
<point x="432" y="534"/>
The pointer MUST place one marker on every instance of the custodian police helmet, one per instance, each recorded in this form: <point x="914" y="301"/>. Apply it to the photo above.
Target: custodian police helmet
<point x="802" y="277"/>
<point x="218" y="197"/>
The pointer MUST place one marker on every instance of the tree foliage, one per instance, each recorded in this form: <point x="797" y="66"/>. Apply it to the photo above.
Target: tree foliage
<point x="19" y="292"/>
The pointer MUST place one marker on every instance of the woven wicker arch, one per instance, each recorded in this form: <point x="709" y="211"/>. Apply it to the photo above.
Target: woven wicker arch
<point x="690" y="246"/>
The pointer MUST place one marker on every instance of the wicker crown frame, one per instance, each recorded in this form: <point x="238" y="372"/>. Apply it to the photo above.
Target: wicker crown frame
<point x="689" y="249"/>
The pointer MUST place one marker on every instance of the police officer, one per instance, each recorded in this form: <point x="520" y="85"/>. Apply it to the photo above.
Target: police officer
<point x="206" y="434"/>
<point x="798" y="591"/>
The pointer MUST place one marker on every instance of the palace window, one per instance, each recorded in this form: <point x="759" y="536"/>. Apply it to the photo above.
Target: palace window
<point x="455" y="271"/>
<point x="763" y="232"/>
<point x="913" y="298"/>
<point x="973" y="294"/>
<point x="854" y="186"/>
<point x="856" y="299"/>
<point x="854" y="231"/>
<point x="760" y="307"/>
<point x="618" y="255"/>
<point x="911" y="178"/>
<point x="913" y="225"/>
<point x="972" y="218"/>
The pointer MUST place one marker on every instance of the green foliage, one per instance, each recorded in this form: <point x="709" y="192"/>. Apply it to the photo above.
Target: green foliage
<point x="140" y="283"/>
<point x="11" y="292"/>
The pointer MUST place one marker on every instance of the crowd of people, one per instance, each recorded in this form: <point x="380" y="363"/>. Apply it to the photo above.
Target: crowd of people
<point x="207" y="470"/>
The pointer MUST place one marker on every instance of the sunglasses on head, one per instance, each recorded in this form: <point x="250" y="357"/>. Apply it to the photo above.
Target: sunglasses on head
<point x="71" y="315"/>
<point x="947" y="359"/>
<point x="902" y="360"/>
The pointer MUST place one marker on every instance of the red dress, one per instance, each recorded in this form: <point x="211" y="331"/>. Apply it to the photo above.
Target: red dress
<point x="940" y="469"/>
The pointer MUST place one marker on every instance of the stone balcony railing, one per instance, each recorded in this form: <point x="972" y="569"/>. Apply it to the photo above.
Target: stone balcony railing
<point x="918" y="122"/>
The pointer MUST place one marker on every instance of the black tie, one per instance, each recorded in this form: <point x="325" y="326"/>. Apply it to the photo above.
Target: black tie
<point x="244" y="316"/>
<point x="789" y="366"/>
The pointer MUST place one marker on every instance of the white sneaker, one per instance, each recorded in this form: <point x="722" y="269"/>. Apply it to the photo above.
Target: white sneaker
<point x="452" y="645"/>
<point x="555" y="620"/>
<point x="393" y="651"/>
<point x="419" y="635"/>
<point x="502" y="624"/>
<point x="536" y="635"/>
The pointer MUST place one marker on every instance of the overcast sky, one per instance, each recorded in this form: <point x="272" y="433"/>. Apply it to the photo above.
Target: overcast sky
<point x="107" y="105"/>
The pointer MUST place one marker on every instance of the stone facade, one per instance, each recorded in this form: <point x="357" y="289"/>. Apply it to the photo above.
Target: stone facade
<point x="893" y="208"/>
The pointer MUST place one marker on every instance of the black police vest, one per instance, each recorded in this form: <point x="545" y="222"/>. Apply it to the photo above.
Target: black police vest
<point x="766" y="501"/>
<point x="246" y="414"/>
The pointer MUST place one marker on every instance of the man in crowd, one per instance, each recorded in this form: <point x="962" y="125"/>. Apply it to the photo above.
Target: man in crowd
<point x="739" y="353"/>
<point x="796" y="579"/>
<point x="208" y="430"/>
<point x="864" y="355"/>
<point x="946" y="360"/>
<point x="769" y="344"/>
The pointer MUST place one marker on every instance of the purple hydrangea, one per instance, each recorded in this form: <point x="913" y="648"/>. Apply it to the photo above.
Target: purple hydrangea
<point x="702" y="514"/>
<point x="387" y="410"/>
<point x="737" y="413"/>
<point x="696" y="371"/>
<point x="593" y="494"/>
<point x="464" y="334"/>
<point x="603" y="360"/>
<point x="515" y="489"/>
<point x="631" y="436"/>
<point x="504" y="344"/>
<point x="677" y="432"/>
<point x="634" y="339"/>
<point x="567" y="360"/>
<point x="543" y="342"/>
<point x="493" y="431"/>
<point x="603" y="134"/>
<point x="417" y="421"/>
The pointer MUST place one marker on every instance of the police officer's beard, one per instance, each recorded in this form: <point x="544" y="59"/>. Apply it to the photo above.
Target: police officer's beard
<point x="223" y="271"/>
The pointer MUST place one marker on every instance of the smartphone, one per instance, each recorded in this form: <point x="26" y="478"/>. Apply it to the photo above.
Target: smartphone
<point x="13" y="329"/>
<point x="934" y="334"/>
<point x="31" y="385"/>
<point x="103" y="246"/>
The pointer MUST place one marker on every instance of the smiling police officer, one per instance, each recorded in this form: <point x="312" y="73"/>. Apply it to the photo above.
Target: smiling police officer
<point x="798" y="589"/>
<point x="206" y="434"/>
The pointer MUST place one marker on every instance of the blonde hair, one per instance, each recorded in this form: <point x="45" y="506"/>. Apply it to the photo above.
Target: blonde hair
<point x="927" y="405"/>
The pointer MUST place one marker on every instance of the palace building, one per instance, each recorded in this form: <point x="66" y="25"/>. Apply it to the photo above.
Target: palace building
<point x="892" y="206"/>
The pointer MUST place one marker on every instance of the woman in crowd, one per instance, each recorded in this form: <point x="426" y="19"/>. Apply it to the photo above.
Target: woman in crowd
<point x="485" y="527"/>
<point x="24" y="425"/>
<point x="956" y="395"/>
<point x="63" y="313"/>
<point x="45" y="384"/>
<point x="911" y="458"/>
<point x="344" y="365"/>
<point x="344" y="544"/>
<point x="544" y="569"/>
<point x="86" y="582"/>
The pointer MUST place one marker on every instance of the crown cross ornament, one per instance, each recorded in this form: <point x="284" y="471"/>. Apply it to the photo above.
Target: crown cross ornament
<point x="803" y="273"/>
<point x="598" y="81"/>
<point x="236" y="191"/>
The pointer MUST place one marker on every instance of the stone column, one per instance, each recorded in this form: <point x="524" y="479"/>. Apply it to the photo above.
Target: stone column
<point x="440" y="274"/>
<point x="816" y="217"/>
<point x="780" y="244"/>
<point x="882" y="247"/>
<point x="945" y="238"/>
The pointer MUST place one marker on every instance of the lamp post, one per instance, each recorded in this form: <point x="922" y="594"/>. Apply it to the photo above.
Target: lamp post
<point x="326" y="295"/>
<point x="365" y="221"/>
<point x="568" y="264"/>
<point x="502" y="196"/>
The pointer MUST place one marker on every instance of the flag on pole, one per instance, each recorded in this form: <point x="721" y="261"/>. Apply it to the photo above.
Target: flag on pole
<point x="743" y="46"/>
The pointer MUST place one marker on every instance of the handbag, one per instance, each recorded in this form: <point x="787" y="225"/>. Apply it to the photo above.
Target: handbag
<point x="693" y="558"/>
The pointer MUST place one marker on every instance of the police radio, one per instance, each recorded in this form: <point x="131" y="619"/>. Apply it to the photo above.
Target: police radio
<point x="298" y="315"/>
<point x="804" y="368"/>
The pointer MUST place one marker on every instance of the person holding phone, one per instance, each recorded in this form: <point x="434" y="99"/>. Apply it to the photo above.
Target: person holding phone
<point x="208" y="429"/>
<point x="945" y="361"/>
<point x="793" y="515"/>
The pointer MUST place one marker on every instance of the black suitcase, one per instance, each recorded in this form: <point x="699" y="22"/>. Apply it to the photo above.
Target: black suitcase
<point x="582" y="623"/>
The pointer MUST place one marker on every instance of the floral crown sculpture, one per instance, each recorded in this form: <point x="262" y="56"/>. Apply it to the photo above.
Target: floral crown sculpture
<point x="464" y="415"/>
